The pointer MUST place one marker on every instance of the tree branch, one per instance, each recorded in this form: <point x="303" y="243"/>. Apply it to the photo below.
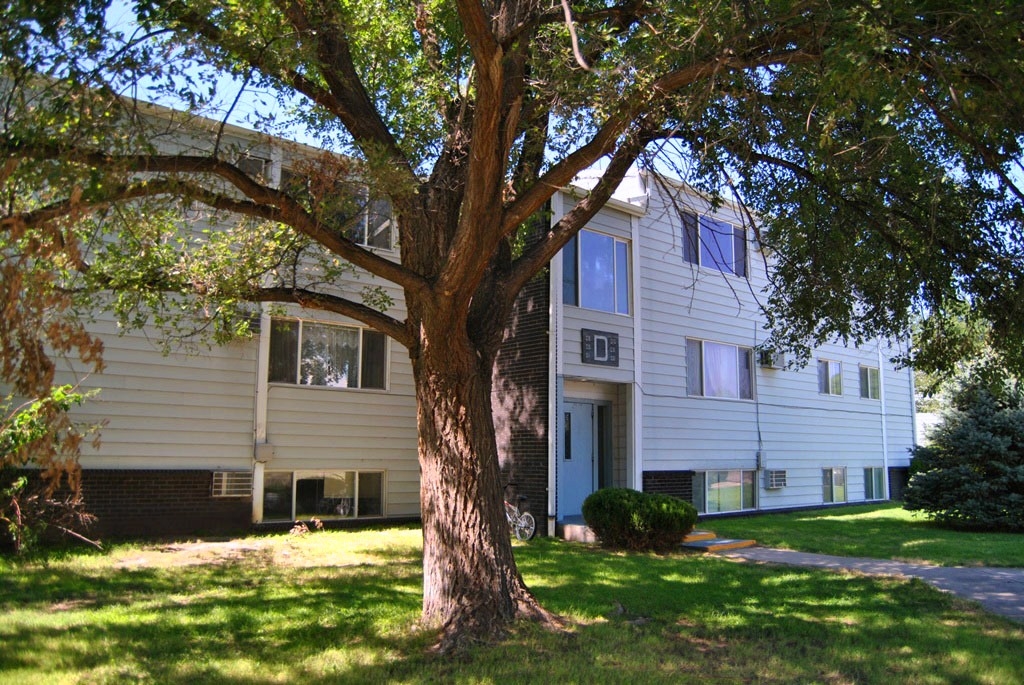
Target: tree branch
<point x="309" y="299"/>
<point x="265" y="202"/>
<point x="476" y="23"/>
<point x="345" y="97"/>
<point x="475" y="239"/>
<point x="542" y="252"/>
<point x="991" y="158"/>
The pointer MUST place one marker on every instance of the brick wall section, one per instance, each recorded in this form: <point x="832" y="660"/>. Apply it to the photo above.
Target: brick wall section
<point x="520" y="398"/>
<point x="676" y="483"/>
<point x="160" y="503"/>
<point x="898" y="477"/>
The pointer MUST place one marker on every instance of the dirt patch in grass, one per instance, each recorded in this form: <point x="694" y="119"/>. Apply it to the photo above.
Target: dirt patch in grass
<point x="294" y="551"/>
<point x="194" y="553"/>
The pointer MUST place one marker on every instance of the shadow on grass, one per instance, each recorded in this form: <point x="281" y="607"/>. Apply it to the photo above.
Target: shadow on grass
<point x="638" y="618"/>
<point x="199" y="622"/>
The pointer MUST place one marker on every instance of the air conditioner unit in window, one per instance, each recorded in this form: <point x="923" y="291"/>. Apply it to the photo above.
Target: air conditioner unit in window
<point x="232" y="484"/>
<point x="775" y="479"/>
<point x="771" y="360"/>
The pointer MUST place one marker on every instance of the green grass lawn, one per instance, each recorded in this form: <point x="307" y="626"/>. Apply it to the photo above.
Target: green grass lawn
<point x="883" y="531"/>
<point x="337" y="607"/>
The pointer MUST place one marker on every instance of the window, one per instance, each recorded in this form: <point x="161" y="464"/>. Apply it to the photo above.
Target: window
<point x="717" y="491"/>
<point x="714" y="244"/>
<point x="307" y="353"/>
<point x="719" y="370"/>
<point x="869" y="383"/>
<point x="374" y="225"/>
<point x="833" y="483"/>
<point x="364" y="218"/>
<point x="874" y="483"/>
<point x="830" y="377"/>
<point x="595" y="272"/>
<point x="292" y="495"/>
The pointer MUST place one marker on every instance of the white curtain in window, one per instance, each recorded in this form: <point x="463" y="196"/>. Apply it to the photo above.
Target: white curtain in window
<point x="720" y="373"/>
<point x="330" y="356"/>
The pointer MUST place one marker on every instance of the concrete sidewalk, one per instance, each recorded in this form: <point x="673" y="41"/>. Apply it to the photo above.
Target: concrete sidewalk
<point x="1000" y="590"/>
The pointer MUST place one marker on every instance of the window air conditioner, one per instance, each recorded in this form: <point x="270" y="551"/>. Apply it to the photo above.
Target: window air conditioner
<point x="771" y="360"/>
<point x="775" y="479"/>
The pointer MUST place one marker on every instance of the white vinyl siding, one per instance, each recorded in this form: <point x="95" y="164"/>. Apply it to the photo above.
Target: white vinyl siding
<point x="179" y="410"/>
<point x="788" y="421"/>
<point x="196" y="408"/>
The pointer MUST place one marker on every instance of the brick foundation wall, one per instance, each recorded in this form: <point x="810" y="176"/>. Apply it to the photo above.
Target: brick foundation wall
<point x="898" y="477"/>
<point x="161" y="503"/>
<point x="676" y="483"/>
<point x="520" y="398"/>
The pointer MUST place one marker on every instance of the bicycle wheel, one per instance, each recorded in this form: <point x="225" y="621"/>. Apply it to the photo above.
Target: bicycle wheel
<point x="525" y="527"/>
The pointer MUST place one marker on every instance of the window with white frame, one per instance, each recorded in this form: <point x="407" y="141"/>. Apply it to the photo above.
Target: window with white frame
<point x="719" y="370"/>
<point x="292" y="495"/>
<point x="374" y="226"/>
<point x="595" y="272"/>
<point x="833" y="484"/>
<point x="714" y="244"/>
<point x="306" y="353"/>
<point x="869" y="383"/>
<point x="874" y="483"/>
<point x="365" y="219"/>
<point x="830" y="377"/>
<point x="718" y="491"/>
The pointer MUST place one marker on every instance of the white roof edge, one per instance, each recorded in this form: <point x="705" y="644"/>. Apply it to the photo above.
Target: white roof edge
<point x="686" y="187"/>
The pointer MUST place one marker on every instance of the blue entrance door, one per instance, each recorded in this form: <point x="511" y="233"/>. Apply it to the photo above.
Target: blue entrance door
<point x="576" y="463"/>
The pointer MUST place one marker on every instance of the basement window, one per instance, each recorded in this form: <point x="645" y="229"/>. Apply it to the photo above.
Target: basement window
<point x="326" y="495"/>
<point x="719" y="491"/>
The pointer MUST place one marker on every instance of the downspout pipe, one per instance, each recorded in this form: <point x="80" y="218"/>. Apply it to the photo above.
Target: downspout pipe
<point x="884" y="419"/>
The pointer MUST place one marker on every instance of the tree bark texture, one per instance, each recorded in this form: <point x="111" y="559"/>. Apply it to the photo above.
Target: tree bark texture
<point x="472" y="589"/>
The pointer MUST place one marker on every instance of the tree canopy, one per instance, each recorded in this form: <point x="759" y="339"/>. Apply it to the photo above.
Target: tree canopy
<point x="876" y="143"/>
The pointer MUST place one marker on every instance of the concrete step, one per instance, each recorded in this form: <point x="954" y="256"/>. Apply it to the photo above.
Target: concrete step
<point x="703" y="540"/>
<point x="577" y="532"/>
<point x="718" y="544"/>
<point x="698" y="535"/>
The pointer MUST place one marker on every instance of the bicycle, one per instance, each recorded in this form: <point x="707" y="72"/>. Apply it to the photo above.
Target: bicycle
<point x="522" y="523"/>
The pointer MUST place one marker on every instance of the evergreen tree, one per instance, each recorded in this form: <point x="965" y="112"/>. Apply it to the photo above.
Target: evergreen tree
<point x="972" y="475"/>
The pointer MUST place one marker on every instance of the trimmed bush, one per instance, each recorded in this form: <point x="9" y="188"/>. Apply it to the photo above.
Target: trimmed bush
<point x="627" y="519"/>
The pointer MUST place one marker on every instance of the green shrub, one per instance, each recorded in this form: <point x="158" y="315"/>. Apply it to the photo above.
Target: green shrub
<point x="627" y="519"/>
<point x="972" y="475"/>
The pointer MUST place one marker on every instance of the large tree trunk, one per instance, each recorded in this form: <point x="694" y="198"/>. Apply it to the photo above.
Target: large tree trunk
<point x="472" y="589"/>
